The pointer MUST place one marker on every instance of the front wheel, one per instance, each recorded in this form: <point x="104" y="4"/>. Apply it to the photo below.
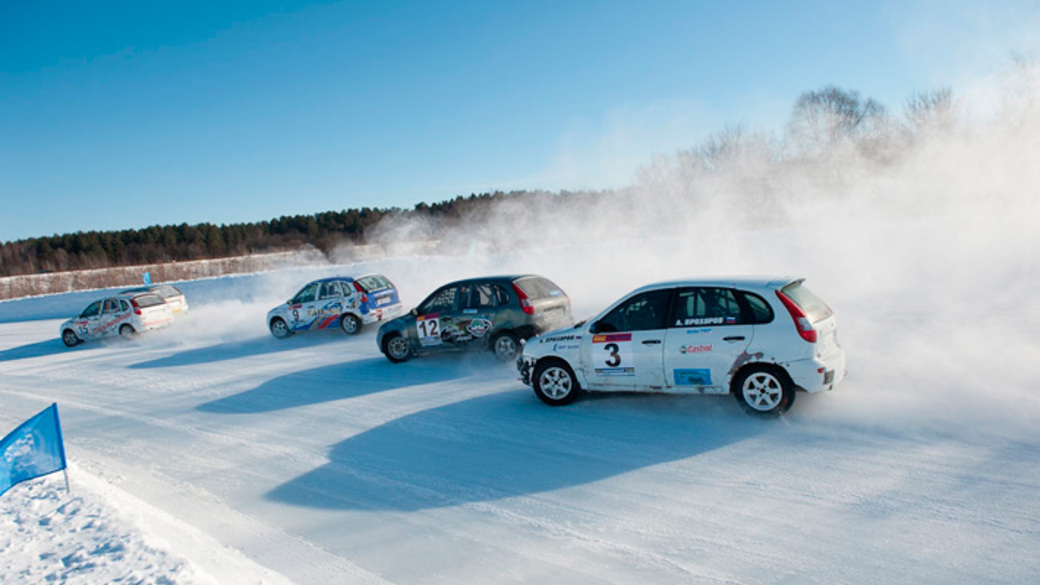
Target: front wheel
<point x="69" y="338"/>
<point x="396" y="349"/>
<point x="127" y="332"/>
<point x="506" y="346"/>
<point x="351" y="324"/>
<point x="764" y="391"/>
<point x="554" y="383"/>
<point x="279" y="329"/>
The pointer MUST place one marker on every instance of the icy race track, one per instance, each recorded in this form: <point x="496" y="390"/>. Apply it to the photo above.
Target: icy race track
<point x="316" y="459"/>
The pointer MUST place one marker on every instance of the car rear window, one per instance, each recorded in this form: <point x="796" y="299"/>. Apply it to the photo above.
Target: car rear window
<point x="814" y="307"/>
<point x="374" y="283"/>
<point x="167" y="291"/>
<point x="537" y="287"/>
<point x="145" y="301"/>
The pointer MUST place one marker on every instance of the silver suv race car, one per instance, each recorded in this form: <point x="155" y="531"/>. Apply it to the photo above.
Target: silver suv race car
<point x="759" y="339"/>
<point x="124" y="315"/>
<point x="338" y="301"/>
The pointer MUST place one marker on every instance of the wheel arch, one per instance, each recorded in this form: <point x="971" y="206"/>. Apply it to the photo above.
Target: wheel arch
<point x="579" y="374"/>
<point x="778" y="368"/>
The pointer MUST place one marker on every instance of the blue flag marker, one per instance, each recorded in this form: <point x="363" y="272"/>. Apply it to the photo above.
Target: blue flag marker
<point x="147" y="278"/>
<point x="32" y="450"/>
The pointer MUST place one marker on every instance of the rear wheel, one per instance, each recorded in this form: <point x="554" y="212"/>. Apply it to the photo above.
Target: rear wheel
<point x="396" y="349"/>
<point x="69" y="338"/>
<point x="764" y="390"/>
<point x="554" y="383"/>
<point x="506" y="346"/>
<point x="127" y="332"/>
<point x="279" y="329"/>
<point x="351" y="324"/>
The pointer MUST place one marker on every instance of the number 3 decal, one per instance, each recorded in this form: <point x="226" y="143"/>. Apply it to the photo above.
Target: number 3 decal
<point x="615" y="358"/>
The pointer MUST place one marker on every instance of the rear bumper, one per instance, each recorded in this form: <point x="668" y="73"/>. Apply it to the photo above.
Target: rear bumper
<point x="818" y="374"/>
<point x="383" y="314"/>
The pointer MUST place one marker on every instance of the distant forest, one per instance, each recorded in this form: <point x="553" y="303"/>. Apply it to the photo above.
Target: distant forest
<point x="171" y="243"/>
<point x="832" y="136"/>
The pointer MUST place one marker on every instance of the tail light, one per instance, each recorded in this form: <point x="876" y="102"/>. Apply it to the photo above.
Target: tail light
<point x="361" y="291"/>
<point x="801" y="320"/>
<point x="525" y="302"/>
<point x="137" y="309"/>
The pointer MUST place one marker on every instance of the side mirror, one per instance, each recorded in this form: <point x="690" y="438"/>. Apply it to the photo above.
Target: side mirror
<point x="415" y="312"/>
<point x="594" y="328"/>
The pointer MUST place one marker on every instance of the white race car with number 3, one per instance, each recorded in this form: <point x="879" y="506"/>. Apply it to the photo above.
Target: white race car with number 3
<point x="759" y="339"/>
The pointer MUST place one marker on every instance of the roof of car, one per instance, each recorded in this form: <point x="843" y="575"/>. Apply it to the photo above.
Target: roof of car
<point x="725" y="281"/>
<point x="496" y="278"/>
<point x="346" y="278"/>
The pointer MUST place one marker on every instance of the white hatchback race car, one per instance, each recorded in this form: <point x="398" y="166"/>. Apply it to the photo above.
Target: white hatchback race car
<point x="759" y="339"/>
<point x="339" y="301"/>
<point x="124" y="315"/>
<point x="170" y="294"/>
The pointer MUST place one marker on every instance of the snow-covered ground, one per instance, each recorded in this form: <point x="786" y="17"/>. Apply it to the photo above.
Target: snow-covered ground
<point x="212" y="453"/>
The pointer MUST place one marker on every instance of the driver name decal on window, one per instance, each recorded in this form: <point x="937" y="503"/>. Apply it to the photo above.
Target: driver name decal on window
<point x="429" y="329"/>
<point x="613" y="355"/>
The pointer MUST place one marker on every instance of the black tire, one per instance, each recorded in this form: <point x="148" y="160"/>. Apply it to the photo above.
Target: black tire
<point x="506" y="346"/>
<point x="764" y="390"/>
<point x="127" y="332"/>
<point x="279" y="328"/>
<point x="350" y="324"/>
<point x="396" y="348"/>
<point x="554" y="383"/>
<point x="69" y="337"/>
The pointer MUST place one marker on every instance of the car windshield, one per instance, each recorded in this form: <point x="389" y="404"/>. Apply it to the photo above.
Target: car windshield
<point x="536" y="287"/>
<point x="814" y="307"/>
<point x="374" y="283"/>
<point x="149" y="300"/>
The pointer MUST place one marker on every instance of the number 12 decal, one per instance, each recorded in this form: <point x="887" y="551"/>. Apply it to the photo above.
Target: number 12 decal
<point x="429" y="329"/>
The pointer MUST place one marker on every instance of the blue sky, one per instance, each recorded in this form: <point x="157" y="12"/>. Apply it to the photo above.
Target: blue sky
<point x="117" y="115"/>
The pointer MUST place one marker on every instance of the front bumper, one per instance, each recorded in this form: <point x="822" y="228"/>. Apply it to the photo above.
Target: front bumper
<point x="525" y="365"/>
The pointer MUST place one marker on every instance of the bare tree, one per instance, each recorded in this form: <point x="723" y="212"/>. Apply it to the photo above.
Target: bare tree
<point x="827" y="117"/>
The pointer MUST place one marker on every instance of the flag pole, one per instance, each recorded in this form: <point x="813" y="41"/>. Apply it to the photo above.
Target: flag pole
<point x="68" y="490"/>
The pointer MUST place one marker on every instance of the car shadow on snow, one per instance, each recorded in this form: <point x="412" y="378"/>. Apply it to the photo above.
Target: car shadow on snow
<point x="238" y="349"/>
<point x="509" y="444"/>
<point x="335" y="382"/>
<point x="38" y="349"/>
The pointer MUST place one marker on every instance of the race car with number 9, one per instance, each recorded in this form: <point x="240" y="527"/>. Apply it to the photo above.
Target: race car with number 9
<point x="337" y="302"/>
<point x="759" y="339"/>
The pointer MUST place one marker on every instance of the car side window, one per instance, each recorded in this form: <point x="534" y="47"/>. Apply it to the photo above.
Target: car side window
<point x="330" y="290"/>
<point x="760" y="310"/>
<point x="642" y="312"/>
<point x="306" y="294"/>
<point x="124" y="306"/>
<point x="476" y="296"/>
<point x="111" y="306"/>
<point x="92" y="310"/>
<point x="442" y="300"/>
<point x="707" y="306"/>
<point x="500" y="294"/>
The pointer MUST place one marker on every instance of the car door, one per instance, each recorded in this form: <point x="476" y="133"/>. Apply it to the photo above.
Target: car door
<point x="709" y="332"/>
<point x="302" y="310"/>
<point x="329" y="305"/>
<point x="89" y="321"/>
<point x="111" y="318"/>
<point x="432" y="314"/>
<point x="625" y="350"/>
<point x="478" y="316"/>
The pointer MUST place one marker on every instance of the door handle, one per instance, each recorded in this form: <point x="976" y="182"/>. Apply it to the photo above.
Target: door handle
<point x="651" y="342"/>
<point x="734" y="338"/>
